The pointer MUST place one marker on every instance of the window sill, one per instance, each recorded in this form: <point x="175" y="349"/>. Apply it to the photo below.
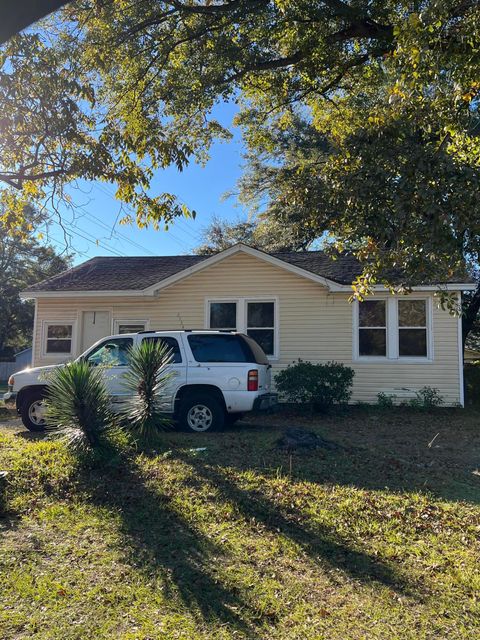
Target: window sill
<point x="385" y="360"/>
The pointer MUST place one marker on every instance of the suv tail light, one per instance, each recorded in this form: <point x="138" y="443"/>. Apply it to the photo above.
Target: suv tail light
<point x="252" y="384"/>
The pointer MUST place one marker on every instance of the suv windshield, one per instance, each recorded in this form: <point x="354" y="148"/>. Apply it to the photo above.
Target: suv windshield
<point x="223" y="348"/>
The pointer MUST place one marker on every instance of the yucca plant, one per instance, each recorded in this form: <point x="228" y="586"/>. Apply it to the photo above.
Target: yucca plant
<point x="145" y="382"/>
<point x="78" y="405"/>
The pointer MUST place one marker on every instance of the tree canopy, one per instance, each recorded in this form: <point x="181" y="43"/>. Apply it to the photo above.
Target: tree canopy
<point x="23" y="261"/>
<point x="266" y="235"/>
<point x="362" y="116"/>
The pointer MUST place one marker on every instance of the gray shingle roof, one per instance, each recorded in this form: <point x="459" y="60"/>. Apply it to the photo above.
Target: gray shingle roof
<point x="137" y="273"/>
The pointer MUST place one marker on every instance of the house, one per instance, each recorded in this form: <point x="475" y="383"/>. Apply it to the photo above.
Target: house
<point x="296" y="305"/>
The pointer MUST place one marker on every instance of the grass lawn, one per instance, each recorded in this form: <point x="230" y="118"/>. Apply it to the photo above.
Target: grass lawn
<point x="376" y="538"/>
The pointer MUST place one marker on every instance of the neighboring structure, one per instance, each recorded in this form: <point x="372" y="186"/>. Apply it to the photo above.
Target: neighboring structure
<point x="296" y="305"/>
<point x="23" y="358"/>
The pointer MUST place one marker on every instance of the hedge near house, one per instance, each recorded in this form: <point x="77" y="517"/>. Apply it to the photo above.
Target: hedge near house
<point x="318" y="386"/>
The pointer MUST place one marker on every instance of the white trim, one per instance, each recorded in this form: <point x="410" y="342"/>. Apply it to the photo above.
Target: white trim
<point x="34" y="339"/>
<point x="116" y="322"/>
<point x="429" y="327"/>
<point x="392" y="331"/>
<point x="356" y="357"/>
<point x="33" y="295"/>
<point x="460" y="354"/>
<point x="461" y="286"/>
<point x="73" y="342"/>
<point x="242" y="322"/>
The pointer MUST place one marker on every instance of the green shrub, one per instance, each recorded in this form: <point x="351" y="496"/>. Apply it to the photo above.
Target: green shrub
<point x="426" y="398"/>
<point x="78" y="405"/>
<point x="386" y="400"/>
<point x="317" y="385"/>
<point x="145" y="383"/>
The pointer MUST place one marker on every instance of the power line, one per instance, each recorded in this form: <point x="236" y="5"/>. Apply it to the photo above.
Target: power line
<point x="172" y="235"/>
<point x="73" y="230"/>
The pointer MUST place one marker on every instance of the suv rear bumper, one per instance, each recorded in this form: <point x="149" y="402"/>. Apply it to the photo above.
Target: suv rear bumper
<point x="10" y="400"/>
<point x="265" y="402"/>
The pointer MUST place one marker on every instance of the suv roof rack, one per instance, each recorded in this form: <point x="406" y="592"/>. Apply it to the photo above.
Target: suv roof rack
<point x="188" y="331"/>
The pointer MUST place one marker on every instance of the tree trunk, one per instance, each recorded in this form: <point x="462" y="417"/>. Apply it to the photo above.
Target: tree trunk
<point x="470" y="314"/>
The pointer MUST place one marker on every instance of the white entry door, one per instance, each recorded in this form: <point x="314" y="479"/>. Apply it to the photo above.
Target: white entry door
<point x="95" y="325"/>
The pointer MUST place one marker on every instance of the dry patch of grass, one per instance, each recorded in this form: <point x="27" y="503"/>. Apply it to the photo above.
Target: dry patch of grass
<point x="378" y="538"/>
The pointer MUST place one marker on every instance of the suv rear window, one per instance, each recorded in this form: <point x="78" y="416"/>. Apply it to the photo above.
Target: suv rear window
<point x="220" y="348"/>
<point x="258" y="352"/>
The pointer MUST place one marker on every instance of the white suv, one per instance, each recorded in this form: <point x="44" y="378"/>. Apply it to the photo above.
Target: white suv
<point x="218" y="376"/>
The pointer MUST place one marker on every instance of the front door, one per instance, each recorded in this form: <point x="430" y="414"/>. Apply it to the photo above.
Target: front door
<point x="95" y="325"/>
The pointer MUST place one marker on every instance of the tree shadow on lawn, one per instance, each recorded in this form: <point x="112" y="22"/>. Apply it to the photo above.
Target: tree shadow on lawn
<point x="318" y="543"/>
<point x="161" y="542"/>
<point x="361" y="466"/>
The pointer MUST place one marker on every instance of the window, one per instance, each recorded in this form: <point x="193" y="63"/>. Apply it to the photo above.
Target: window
<point x="412" y="328"/>
<point x="261" y="324"/>
<point x="220" y="348"/>
<point x="372" y="328"/>
<point x="223" y="315"/>
<point x="111" y="353"/>
<point x="129" y="326"/>
<point x="172" y="345"/>
<point x="394" y="329"/>
<point x="59" y="338"/>
<point x="256" y="318"/>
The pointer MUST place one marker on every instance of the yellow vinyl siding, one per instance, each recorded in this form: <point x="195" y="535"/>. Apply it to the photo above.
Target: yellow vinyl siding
<point x="314" y="324"/>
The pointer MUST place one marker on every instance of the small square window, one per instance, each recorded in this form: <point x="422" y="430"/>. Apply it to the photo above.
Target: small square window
<point x="59" y="338"/>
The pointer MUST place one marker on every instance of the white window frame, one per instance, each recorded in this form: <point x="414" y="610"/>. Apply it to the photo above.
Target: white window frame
<point x="392" y="353"/>
<point x="118" y="321"/>
<point x="385" y="328"/>
<point x="73" y="341"/>
<point x="427" y="327"/>
<point x="208" y="304"/>
<point x="242" y="319"/>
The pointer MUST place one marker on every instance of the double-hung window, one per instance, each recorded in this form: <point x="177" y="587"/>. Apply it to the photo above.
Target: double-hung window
<point x="256" y="318"/>
<point x="393" y="329"/>
<point x="412" y="328"/>
<point x="261" y="324"/>
<point x="372" y="328"/>
<point x="58" y="338"/>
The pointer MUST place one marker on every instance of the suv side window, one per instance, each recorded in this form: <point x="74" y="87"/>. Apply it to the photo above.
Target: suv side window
<point x="220" y="348"/>
<point x="111" y="353"/>
<point x="172" y="345"/>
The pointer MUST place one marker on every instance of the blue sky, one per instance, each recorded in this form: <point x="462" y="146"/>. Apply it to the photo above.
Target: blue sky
<point x="201" y="188"/>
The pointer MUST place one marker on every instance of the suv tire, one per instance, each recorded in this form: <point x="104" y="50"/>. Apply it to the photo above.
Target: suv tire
<point x="201" y="413"/>
<point x="30" y="411"/>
